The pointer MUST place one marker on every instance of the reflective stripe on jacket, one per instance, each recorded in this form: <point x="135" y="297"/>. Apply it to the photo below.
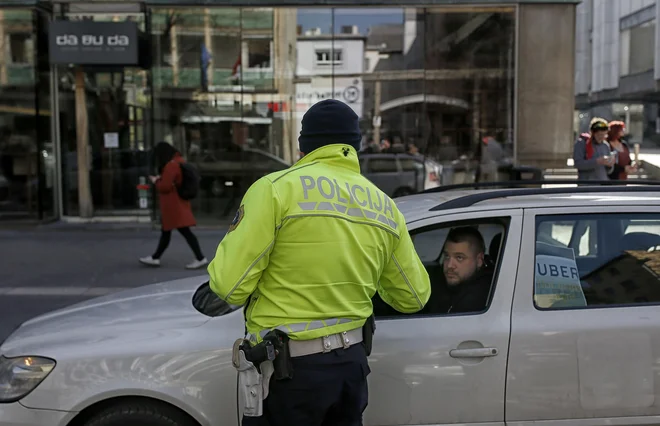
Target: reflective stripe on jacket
<point x="311" y="245"/>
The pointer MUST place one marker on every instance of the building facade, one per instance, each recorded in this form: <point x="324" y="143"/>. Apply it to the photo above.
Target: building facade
<point x="329" y="65"/>
<point x="618" y="66"/>
<point x="227" y="85"/>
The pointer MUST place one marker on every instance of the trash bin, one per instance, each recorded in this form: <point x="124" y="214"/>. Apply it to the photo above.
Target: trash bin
<point x="526" y="173"/>
<point x="515" y="173"/>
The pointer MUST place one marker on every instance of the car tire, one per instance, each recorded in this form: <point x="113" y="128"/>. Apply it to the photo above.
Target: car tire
<point x="140" y="414"/>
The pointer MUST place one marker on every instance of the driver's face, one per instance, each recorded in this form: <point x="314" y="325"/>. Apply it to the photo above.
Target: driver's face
<point x="460" y="262"/>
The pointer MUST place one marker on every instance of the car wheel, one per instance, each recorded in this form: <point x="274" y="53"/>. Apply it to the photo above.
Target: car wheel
<point x="140" y="414"/>
<point x="402" y="192"/>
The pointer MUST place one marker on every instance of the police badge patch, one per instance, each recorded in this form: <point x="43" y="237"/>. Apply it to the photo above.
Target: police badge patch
<point x="237" y="219"/>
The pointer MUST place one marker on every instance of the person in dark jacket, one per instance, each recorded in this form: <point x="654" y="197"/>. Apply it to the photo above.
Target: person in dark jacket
<point x="176" y="213"/>
<point x="467" y="277"/>
<point x="591" y="152"/>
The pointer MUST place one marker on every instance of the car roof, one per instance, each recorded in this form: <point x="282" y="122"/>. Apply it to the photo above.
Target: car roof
<point x="388" y="155"/>
<point x="420" y="206"/>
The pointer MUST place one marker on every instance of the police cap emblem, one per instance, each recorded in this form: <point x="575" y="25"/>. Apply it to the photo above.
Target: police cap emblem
<point x="237" y="218"/>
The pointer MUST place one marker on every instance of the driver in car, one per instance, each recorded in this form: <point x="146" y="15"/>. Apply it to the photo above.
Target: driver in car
<point x="468" y="279"/>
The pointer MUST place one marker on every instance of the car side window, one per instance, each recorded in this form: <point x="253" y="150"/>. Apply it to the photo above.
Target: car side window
<point x="597" y="260"/>
<point x="462" y="260"/>
<point x="382" y="165"/>
<point x="410" y="165"/>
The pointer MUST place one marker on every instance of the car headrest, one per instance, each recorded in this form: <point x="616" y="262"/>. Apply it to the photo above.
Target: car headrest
<point x="494" y="247"/>
<point x="639" y="241"/>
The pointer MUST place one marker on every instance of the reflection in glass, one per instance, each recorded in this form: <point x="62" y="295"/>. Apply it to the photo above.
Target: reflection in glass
<point x="27" y="163"/>
<point x="118" y="117"/>
<point x="433" y="86"/>
<point x="224" y="95"/>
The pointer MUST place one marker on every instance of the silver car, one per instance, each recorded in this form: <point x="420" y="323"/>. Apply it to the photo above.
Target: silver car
<point x="569" y="335"/>
<point x="399" y="175"/>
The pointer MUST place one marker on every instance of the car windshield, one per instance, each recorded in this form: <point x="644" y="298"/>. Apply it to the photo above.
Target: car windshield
<point x="209" y="304"/>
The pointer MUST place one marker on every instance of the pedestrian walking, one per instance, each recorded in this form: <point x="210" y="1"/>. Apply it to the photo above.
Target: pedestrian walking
<point x="623" y="164"/>
<point x="176" y="213"/>
<point x="591" y="152"/>
<point x="307" y="250"/>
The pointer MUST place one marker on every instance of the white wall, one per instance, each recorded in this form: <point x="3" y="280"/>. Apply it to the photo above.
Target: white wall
<point x="349" y="90"/>
<point x="352" y="50"/>
<point x="605" y="45"/>
<point x="597" y="63"/>
<point x="583" y="47"/>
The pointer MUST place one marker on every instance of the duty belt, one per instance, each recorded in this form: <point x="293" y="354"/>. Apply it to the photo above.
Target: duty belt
<point x="325" y="343"/>
<point x="328" y="343"/>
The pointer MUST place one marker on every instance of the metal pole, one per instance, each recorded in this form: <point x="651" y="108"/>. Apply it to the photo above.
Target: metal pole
<point x="82" y="146"/>
<point x="377" y="120"/>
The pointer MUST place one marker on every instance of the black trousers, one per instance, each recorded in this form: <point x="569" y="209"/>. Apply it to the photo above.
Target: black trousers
<point x="326" y="390"/>
<point x="166" y="236"/>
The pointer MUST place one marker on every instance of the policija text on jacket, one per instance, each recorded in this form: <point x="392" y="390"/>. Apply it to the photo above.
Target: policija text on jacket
<point x="312" y="244"/>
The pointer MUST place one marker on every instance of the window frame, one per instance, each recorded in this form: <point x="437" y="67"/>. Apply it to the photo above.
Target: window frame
<point x="526" y="280"/>
<point x="331" y="61"/>
<point x="391" y="159"/>
<point x="505" y="218"/>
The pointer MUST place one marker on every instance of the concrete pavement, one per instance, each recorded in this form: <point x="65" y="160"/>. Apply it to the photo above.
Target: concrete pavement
<point x="47" y="268"/>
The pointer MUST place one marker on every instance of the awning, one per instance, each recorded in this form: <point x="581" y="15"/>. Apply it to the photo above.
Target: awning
<point x="422" y="98"/>
<point x="19" y="3"/>
<point x="13" y="109"/>
<point x="204" y="113"/>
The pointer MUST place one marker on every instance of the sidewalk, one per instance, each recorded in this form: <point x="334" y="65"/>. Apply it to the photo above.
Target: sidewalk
<point x="103" y="256"/>
<point x="62" y="226"/>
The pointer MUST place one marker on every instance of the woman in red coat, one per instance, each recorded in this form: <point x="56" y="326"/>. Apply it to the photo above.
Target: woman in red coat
<point x="624" y="164"/>
<point x="176" y="213"/>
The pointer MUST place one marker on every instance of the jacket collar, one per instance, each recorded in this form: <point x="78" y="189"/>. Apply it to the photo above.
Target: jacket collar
<point x="339" y="155"/>
<point x="480" y="277"/>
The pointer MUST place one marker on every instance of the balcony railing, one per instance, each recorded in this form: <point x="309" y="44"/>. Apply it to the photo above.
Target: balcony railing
<point x="19" y="75"/>
<point x="190" y="78"/>
<point x="218" y="18"/>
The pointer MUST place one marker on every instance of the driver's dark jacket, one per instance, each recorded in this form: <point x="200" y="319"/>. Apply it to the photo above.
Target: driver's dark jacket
<point x="470" y="296"/>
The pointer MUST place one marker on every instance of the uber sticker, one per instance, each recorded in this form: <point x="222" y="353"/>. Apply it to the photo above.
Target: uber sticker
<point x="237" y="219"/>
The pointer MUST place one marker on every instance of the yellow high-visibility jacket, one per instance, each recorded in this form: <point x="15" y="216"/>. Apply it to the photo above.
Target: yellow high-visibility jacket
<point x="310" y="246"/>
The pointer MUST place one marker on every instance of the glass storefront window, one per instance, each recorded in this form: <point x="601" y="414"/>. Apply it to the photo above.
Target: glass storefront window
<point x="118" y="117"/>
<point x="223" y="93"/>
<point x="232" y="84"/>
<point x="27" y="161"/>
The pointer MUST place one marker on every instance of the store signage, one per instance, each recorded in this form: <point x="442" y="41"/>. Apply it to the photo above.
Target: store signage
<point x="93" y="43"/>
<point x="349" y="95"/>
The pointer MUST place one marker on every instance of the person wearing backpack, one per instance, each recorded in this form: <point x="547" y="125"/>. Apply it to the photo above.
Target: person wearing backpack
<point x="592" y="154"/>
<point x="176" y="184"/>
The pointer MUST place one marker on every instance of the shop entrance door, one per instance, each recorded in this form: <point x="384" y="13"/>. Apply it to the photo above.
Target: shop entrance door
<point x="119" y="142"/>
<point x="120" y="149"/>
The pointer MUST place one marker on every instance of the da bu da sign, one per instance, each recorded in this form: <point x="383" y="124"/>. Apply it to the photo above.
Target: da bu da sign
<point x="93" y="43"/>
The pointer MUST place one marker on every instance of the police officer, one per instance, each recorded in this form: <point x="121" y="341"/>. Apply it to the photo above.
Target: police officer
<point x="307" y="250"/>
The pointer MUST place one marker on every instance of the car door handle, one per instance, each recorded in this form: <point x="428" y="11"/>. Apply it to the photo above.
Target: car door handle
<point x="473" y="353"/>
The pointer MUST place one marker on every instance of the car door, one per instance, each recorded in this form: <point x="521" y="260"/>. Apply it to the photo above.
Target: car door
<point x="414" y="171"/>
<point x="437" y="368"/>
<point x="585" y="339"/>
<point x="383" y="171"/>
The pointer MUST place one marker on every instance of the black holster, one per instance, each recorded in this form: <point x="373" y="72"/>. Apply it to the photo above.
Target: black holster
<point x="282" y="365"/>
<point x="259" y="353"/>
<point x="368" y="330"/>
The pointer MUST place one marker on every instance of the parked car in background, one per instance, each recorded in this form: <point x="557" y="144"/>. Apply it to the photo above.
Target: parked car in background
<point x="568" y="334"/>
<point x="398" y="175"/>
